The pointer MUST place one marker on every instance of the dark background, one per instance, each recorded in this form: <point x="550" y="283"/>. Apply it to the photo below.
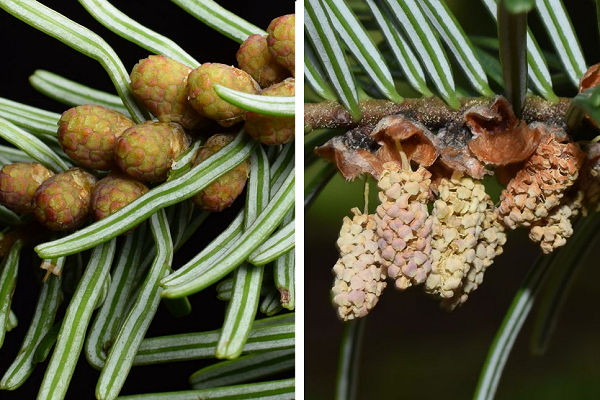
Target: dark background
<point x="412" y="348"/>
<point x="24" y="49"/>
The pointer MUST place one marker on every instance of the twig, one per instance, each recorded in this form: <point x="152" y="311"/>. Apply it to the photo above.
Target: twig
<point x="431" y="112"/>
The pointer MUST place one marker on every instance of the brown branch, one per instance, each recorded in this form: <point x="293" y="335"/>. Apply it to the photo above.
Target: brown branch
<point x="431" y="112"/>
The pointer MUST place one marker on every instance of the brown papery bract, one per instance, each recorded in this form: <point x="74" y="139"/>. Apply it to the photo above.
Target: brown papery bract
<point x="455" y="155"/>
<point x="352" y="154"/>
<point x="590" y="79"/>
<point x="396" y="133"/>
<point x="499" y="137"/>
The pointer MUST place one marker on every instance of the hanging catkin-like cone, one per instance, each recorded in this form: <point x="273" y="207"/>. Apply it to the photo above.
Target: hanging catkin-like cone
<point x="404" y="224"/>
<point x="554" y="231"/>
<point x="490" y="244"/>
<point x="541" y="184"/>
<point x="458" y="217"/>
<point x="359" y="274"/>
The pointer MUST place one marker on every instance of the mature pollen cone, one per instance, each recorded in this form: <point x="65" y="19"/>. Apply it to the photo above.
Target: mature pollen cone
<point x="403" y="223"/>
<point x="458" y="216"/>
<point x="553" y="231"/>
<point x="490" y="244"/>
<point x="542" y="182"/>
<point x="359" y="274"/>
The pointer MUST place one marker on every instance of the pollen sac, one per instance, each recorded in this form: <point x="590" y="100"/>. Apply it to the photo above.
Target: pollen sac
<point x="490" y="244"/>
<point x="281" y="40"/>
<point x="223" y="191"/>
<point x="458" y="216"/>
<point x="88" y="134"/>
<point x="271" y="130"/>
<point x="553" y="231"/>
<point x="160" y="83"/>
<point x="255" y="58"/>
<point x="63" y="201"/>
<point x="359" y="273"/>
<point x="113" y="193"/>
<point x="204" y="99"/>
<point x="404" y="225"/>
<point x="542" y="182"/>
<point x="18" y="183"/>
<point x="146" y="151"/>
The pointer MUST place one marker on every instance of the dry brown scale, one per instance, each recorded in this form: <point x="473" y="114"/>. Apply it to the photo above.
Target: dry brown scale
<point x="359" y="273"/>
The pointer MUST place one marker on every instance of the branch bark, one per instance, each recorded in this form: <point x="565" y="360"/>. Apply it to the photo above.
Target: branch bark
<point x="431" y="112"/>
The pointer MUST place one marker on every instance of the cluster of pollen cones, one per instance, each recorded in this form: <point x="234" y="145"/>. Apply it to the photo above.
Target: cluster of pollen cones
<point x="446" y="250"/>
<point x="436" y="226"/>
<point x="132" y="157"/>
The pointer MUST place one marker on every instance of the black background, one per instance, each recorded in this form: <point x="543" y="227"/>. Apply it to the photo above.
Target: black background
<point x="24" y="49"/>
